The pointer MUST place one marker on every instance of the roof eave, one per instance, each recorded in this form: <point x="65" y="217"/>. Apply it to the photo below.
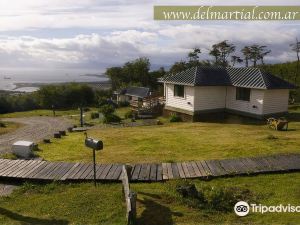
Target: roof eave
<point x="179" y="83"/>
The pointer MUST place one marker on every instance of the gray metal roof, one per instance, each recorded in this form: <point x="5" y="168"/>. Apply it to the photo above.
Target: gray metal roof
<point x="219" y="76"/>
<point x="140" y="92"/>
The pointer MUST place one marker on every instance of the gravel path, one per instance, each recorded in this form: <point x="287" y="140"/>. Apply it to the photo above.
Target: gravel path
<point x="35" y="129"/>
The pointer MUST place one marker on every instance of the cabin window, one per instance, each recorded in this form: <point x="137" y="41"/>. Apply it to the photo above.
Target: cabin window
<point x="243" y="94"/>
<point x="179" y="91"/>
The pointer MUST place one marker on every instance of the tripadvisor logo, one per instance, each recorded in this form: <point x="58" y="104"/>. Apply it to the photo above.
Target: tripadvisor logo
<point x="242" y="208"/>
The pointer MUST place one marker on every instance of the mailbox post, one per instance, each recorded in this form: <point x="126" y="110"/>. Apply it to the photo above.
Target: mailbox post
<point x="96" y="145"/>
<point x="81" y="116"/>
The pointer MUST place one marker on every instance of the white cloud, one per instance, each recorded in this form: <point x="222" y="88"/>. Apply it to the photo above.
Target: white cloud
<point x="163" y="47"/>
<point x="122" y="31"/>
<point x="81" y="49"/>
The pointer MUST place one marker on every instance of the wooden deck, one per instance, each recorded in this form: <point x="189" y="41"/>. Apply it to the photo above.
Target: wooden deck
<point x="44" y="170"/>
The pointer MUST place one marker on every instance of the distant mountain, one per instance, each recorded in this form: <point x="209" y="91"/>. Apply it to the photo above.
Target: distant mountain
<point x="93" y="75"/>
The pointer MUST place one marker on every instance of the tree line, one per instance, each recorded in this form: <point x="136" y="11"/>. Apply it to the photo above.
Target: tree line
<point x="225" y="54"/>
<point x="135" y="73"/>
<point x="64" y="96"/>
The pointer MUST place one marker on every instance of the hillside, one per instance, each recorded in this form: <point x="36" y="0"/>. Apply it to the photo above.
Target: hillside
<point x="286" y="71"/>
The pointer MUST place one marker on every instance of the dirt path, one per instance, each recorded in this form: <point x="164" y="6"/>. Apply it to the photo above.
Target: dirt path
<point x="35" y="129"/>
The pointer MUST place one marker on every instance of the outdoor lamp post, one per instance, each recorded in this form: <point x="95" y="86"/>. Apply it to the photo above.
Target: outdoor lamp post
<point x="96" y="145"/>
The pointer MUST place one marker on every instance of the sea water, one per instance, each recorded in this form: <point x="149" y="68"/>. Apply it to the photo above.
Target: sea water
<point x="31" y="78"/>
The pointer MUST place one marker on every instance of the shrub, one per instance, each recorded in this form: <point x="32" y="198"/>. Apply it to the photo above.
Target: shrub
<point x="2" y="124"/>
<point x="128" y="114"/>
<point x="213" y="198"/>
<point x="94" y="115"/>
<point x="111" y="118"/>
<point x="107" y="109"/>
<point x="175" y="118"/>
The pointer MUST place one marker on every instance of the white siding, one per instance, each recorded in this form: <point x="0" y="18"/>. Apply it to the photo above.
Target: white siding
<point x="276" y="101"/>
<point x="122" y="98"/>
<point x="207" y="98"/>
<point x="178" y="102"/>
<point x="254" y="106"/>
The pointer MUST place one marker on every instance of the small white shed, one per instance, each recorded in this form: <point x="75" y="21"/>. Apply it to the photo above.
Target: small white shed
<point x="23" y="149"/>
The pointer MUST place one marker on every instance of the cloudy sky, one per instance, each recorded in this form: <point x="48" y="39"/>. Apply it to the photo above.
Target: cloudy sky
<point x="96" y="34"/>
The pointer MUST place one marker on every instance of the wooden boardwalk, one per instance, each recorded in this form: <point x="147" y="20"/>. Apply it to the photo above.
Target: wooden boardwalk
<point x="44" y="170"/>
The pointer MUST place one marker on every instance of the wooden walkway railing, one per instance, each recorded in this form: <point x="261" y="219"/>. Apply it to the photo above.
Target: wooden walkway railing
<point x="44" y="170"/>
<point x="130" y="196"/>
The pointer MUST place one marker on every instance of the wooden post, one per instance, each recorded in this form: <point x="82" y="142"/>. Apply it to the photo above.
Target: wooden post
<point x="81" y="116"/>
<point x="131" y="219"/>
<point x="94" y="162"/>
<point x="126" y="176"/>
<point x="130" y="197"/>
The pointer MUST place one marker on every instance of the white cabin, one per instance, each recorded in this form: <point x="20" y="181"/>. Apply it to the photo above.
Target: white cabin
<point x="243" y="91"/>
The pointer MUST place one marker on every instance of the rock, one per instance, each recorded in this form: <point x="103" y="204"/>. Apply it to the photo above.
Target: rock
<point x="62" y="133"/>
<point x="57" y="135"/>
<point x="188" y="190"/>
<point x="23" y="149"/>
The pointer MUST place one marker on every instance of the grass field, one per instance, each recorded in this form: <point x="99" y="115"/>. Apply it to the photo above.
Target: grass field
<point x="176" y="142"/>
<point x="158" y="203"/>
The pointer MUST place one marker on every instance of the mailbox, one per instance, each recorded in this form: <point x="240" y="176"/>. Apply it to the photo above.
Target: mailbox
<point x="94" y="144"/>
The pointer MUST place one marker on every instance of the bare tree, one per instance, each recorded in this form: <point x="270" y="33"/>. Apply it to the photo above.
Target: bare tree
<point x="296" y="48"/>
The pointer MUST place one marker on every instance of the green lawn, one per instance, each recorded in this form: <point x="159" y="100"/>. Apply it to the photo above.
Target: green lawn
<point x="176" y="142"/>
<point x="64" y="204"/>
<point x="158" y="203"/>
